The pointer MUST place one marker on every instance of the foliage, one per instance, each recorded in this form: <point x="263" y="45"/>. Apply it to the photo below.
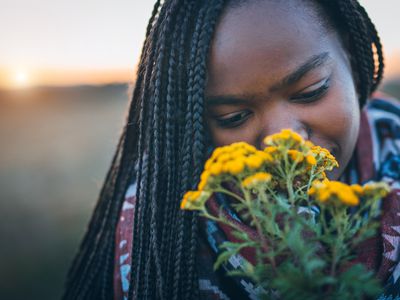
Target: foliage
<point x="306" y="234"/>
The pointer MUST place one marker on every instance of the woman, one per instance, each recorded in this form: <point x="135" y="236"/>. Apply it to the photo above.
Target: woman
<point x="213" y="72"/>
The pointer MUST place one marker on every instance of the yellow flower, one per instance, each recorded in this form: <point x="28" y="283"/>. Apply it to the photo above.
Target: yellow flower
<point x="238" y="153"/>
<point x="194" y="200"/>
<point x="358" y="189"/>
<point x="234" y="167"/>
<point x="376" y="189"/>
<point x="284" y="134"/>
<point x="295" y="136"/>
<point x="208" y="164"/>
<point x="254" y="161"/>
<point x="308" y="144"/>
<point x="295" y="155"/>
<point x="286" y="138"/>
<point x="238" y="145"/>
<point x="271" y="149"/>
<point x="189" y="198"/>
<point x="348" y="197"/>
<point x="217" y="152"/>
<point x="334" y="191"/>
<point x="257" y="178"/>
<point x="265" y="156"/>
<point x="215" y="168"/>
<point x="250" y="148"/>
<point x="311" y="160"/>
<point x="324" y="195"/>
<point x="203" y="180"/>
<point x="325" y="158"/>
<point x="224" y="157"/>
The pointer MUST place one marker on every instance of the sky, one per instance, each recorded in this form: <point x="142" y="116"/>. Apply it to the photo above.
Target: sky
<point x="98" y="41"/>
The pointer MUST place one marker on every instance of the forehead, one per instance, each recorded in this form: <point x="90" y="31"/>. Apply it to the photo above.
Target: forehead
<point x="264" y="37"/>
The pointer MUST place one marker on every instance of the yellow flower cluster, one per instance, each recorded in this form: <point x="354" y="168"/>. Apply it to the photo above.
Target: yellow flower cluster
<point x="326" y="190"/>
<point x="328" y="161"/>
<point x="295" y="155"/>
<point x="285" y="138"/>
<point x="333" y="191"/>
<point x="298" y="150"/>
<point x="372" y="189"/>
<point x="258" y="178"/>
<point x="243" y="162"/>
<point x="235" y="158"/>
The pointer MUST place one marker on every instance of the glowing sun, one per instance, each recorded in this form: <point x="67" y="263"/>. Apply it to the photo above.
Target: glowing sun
<point x="21" y="78"/>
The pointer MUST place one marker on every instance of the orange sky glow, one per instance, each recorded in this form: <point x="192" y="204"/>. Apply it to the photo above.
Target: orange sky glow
<point x="25" y="78"/>
<point x="103" y="43"/>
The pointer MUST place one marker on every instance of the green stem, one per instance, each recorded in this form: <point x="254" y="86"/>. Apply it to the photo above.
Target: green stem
<point x="312" y="176"/>
<point x="233" y="195"/>
<point x="289" y="184"/>
<point x="220" y="219"/>
<point x="338" y="243"/>
<point x="257" y="224"/>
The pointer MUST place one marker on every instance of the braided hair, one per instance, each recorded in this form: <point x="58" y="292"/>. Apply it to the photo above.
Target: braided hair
<point x="163" y="145"/>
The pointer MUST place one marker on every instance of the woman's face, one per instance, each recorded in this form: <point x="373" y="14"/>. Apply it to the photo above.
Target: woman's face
<point x="273" y="66"/>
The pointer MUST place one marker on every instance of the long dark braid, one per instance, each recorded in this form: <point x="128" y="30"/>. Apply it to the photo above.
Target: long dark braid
<point x="352" y="21"/>
<point x="376" y="44"/>
<point x="155" y="150"/>
<point x="175" y="79"/>
<point x="162" y="148"/>
<point x="151" y="214"/>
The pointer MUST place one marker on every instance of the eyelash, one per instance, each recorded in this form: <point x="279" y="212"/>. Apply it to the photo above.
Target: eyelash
<point x="242" y="116"/>
<point x="235" y="120"/>
<point x="314" y="95"/>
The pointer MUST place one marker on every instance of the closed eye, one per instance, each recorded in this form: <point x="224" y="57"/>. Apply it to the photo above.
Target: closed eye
<point x="233" y="120"/>
<point x="314" y="95"/>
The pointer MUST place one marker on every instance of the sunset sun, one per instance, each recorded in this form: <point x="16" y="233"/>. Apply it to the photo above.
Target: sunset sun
<point x="21" y="78"/>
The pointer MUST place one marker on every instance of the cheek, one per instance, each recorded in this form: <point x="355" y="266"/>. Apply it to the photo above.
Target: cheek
<point x="337" y="119"/>
<point x="349" y="125"/>
<point x="345" y="112"/>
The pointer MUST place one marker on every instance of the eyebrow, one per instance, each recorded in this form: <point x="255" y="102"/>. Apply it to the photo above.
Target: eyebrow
<point x="312" y="63"/>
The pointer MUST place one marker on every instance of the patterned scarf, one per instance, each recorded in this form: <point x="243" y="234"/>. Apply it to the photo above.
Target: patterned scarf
<point x="376" y="157"/>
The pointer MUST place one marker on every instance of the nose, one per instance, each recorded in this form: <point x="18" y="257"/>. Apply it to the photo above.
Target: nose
<point x="275" y="122"/>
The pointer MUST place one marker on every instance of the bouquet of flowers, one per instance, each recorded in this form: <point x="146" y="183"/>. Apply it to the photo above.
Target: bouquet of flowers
<point x="308" y="227"/>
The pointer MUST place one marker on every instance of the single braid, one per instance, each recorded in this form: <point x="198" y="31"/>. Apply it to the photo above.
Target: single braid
<point x="141" y="210"/>
<point x="379" y="64"/>
<point x="157" y="148"/>
<point x="178" y="284"/>
<point x="182" y="42"/>
<point x="154" y="154"/>
<point x="170" y="155"/>
<point x="362" y="54"/>
<point x="199" y="147"/>
<point x="351" y="20"/>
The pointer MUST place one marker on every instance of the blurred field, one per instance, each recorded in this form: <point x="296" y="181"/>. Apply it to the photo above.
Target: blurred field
<point x="56" y="145"/>
<point x="392" y="87"/>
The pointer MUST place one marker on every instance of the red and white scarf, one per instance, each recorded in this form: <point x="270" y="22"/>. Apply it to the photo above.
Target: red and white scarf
<point x="376" y="157"/>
